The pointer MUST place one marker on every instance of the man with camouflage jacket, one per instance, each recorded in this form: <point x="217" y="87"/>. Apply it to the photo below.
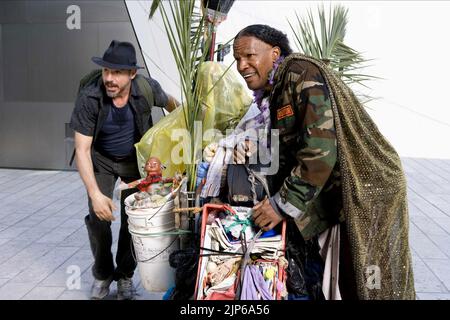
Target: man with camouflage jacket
<point x="300" y="109"/>
<point x="339" y="179"/>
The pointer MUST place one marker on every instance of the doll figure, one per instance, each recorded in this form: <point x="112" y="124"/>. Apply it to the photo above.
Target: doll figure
<point x="153" y="186"/>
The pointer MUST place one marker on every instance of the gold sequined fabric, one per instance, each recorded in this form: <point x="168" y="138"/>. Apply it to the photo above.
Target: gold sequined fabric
<point x="374" y="196"/>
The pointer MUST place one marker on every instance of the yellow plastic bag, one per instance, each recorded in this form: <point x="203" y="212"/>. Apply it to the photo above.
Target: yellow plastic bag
<point x="225" y="105"/>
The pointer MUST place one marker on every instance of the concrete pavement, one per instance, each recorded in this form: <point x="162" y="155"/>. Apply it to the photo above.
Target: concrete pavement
<point x="44" y="243"/>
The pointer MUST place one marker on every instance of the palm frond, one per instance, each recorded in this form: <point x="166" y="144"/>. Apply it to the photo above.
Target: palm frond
<point x="188" y="37"/>
<point x="346" y="61"/>
<point x="154" y="7"/>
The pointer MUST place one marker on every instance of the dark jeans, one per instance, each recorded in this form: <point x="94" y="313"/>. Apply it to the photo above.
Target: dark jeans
<point x="100" y="236"/>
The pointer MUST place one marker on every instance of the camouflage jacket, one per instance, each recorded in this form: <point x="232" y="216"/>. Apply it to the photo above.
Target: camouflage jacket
<point x="308" y="180"/>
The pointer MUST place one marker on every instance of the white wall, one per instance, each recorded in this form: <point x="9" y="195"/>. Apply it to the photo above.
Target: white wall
<point x="407" y="39"/>
<point x="155" y="46"/>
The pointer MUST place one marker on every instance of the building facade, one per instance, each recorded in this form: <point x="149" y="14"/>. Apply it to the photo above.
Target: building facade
<point x="45" y="49"/>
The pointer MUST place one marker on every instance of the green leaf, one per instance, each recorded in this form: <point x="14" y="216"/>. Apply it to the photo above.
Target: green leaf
<point x="154" y="7"/>
<point x="330" y="46"/>
<point x="186" y="27"/>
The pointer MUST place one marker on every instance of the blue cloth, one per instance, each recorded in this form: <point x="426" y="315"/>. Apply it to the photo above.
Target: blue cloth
<point x="269" y="233"/>
<point x="168" y="293"/>
<point x="292" y="296"/>
<point x="118" y="134"/>
<point x="202" y="171"/>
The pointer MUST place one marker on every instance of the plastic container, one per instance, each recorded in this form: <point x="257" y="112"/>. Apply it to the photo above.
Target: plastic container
<point x="152" y="256"/>
<point x="147" y="220"/>
<point x="154" y="239"/>
<point x="207" y="208"/>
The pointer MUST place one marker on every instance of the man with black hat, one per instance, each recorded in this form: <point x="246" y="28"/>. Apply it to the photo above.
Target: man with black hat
<point x="109" y="117"/>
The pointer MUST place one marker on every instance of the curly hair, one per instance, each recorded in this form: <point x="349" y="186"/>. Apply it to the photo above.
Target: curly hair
<point x="268" y="35"/>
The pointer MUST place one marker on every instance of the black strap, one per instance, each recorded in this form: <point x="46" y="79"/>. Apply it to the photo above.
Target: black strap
<point x="72" y="157"/>
<point x="146" y="90"/>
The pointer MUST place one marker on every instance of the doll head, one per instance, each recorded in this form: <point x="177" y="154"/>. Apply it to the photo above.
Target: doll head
<point x="153" y="166"/>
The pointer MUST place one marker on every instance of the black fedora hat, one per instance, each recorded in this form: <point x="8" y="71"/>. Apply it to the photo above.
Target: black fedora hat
<point x="119" y="55"/>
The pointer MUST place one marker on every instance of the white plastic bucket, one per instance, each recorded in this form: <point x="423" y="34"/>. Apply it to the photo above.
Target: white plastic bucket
<point x="147" y="220"/>
<point x="151" y="247"/>
<point x="152" y="255"/>
<point x="145" y="230"/>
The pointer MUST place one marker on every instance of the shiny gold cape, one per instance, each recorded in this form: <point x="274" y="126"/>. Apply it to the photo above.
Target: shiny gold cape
<point x="374" y="196"/>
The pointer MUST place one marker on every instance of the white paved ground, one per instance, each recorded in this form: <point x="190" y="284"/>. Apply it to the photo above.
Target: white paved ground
<point x="44" y="243"/>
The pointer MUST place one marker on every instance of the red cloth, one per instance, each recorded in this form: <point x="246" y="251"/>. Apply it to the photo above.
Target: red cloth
<point x="144" y="184"/>
<point x="230" y="294"/>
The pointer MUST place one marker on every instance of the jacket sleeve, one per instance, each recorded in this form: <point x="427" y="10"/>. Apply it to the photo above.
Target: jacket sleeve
<point x="317" y="154"/>
<point x="84" y="117"/>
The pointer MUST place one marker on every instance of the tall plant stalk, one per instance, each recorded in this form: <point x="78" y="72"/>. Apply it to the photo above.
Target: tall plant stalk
<point x="189" y="40"/>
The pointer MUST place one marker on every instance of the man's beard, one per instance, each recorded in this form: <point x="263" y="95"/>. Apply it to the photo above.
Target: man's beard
<point x="112" y="94"/>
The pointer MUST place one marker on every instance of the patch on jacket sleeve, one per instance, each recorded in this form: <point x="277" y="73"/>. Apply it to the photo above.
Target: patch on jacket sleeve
<point x="284" y="112"/>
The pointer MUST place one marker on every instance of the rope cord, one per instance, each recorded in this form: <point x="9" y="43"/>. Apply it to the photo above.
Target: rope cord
<point x="156" y="255"/>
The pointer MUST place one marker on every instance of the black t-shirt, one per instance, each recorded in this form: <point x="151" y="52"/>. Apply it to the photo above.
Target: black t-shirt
<point x="118" y="134"/>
